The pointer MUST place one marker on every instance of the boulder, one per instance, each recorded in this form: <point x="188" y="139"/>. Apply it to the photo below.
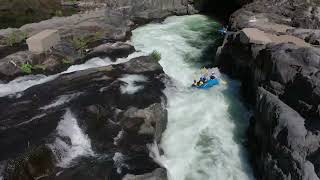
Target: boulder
<point x="43" y="41"/>
<point x="253" y="36"/>
<point x="10" y="65"/>
<point x="111" y="50"/>
<point x="276" y="67"/>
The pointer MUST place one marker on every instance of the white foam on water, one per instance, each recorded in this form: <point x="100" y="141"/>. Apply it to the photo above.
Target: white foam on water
<point x="130" y="87"/>
<point x="205" y="127"/>
<point x="23" y="83"/>
<point x="92" y="63"/>
<point x="79" y="144"/>
<point x="154" y="152"/>
<point x="118" y="137"/>
<point x="119" y="161"/>
<point x="30" y="120"/>
<point x="61" y="100"/>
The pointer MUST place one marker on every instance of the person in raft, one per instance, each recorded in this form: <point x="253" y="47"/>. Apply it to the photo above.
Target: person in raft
<point x="195" y="84"/>
<point x="212" y="76"/>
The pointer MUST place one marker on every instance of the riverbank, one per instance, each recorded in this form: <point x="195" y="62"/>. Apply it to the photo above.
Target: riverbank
<point x="274" y="52"/>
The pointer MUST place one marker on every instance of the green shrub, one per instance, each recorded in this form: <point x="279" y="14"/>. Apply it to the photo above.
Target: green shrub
<point x="58" y="13"/>
<point x="40" y="66"/>
<point x="66" y="61"/>
<point x="26" y="68"/>
<point x="15" y="37"/>
<point x="97" y="36"/>
<point x="79" y="43"/>
<point x="156" y="55"/>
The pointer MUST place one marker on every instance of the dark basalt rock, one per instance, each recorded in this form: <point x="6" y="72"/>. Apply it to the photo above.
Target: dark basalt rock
<point x="281" y="80"/>
<point x="114" y="121"/>
<point x="38" y="162"/>
<point x="220" y="9"/>
<point x="58" y="59"/>
<point x="88" y="168"/>
<point x="289" y="71"/>
<point x="111" y="50"/>
<point x="281" y="145"/>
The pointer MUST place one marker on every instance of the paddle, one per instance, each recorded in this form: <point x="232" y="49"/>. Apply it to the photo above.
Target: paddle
<point x="223" y="82"/>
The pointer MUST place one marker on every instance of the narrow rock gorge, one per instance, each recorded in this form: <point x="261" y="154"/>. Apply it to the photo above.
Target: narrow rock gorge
<point x="112" y="100"/>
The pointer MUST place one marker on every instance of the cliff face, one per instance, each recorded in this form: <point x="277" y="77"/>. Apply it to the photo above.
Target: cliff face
<point x="274" y="51"/>
<point x="282" y="145"/>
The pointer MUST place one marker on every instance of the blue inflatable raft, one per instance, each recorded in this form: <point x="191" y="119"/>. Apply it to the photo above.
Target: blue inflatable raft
<point x="209" y="84"/>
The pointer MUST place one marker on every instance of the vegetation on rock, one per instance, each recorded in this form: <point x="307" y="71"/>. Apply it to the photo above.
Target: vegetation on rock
<point x="156" y="55"/>
<point x="15" y="37"/>
<point x="26" y="68"/>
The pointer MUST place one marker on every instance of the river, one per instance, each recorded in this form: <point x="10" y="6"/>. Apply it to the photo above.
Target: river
<point x="206" y="128"/>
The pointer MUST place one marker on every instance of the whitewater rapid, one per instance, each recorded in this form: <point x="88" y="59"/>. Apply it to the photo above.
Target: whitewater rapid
<point x="206" y="128"/>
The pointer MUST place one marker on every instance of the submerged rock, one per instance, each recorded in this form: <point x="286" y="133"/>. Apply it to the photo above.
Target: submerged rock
<point x="82" y="114"/>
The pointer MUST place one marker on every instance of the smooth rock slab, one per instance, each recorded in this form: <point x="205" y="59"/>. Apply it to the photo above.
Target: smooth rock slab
<point x="254" y="36"/>
<point x="43" y="41"/>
